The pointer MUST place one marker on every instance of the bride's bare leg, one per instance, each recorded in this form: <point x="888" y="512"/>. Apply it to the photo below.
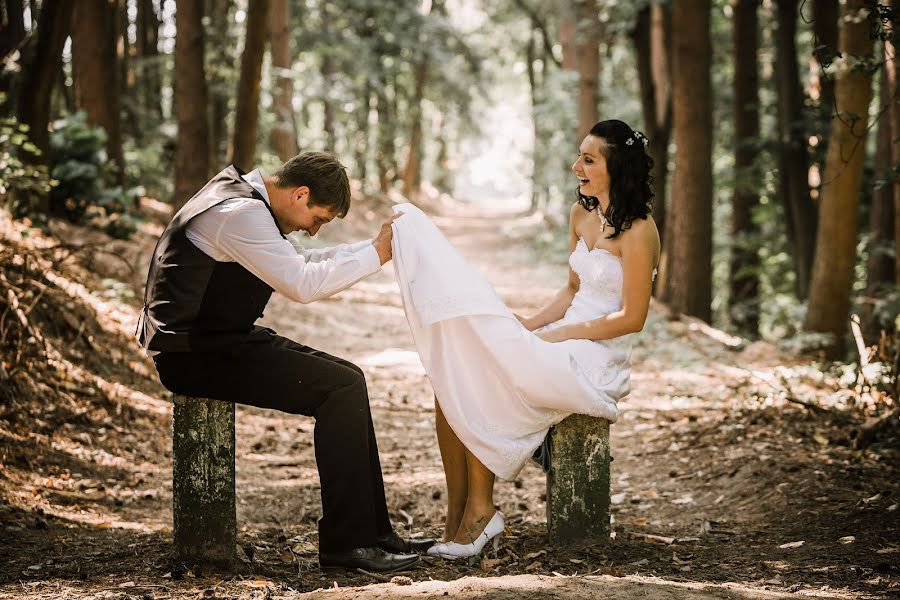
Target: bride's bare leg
<point x="479" y="504"/>
<point x="453" y="455"/>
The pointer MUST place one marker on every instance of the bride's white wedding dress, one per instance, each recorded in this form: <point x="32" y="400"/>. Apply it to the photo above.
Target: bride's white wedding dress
<point x="499" y="385"/>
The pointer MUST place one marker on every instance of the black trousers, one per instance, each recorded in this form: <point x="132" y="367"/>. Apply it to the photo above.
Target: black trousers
<point x="270" y="371"/>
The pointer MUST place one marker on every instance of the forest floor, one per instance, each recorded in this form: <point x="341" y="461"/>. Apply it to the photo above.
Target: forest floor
<point x="724" y="484"/>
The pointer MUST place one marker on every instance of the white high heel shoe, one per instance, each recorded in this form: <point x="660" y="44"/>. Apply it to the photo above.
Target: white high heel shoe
<point x="453" y="550"/>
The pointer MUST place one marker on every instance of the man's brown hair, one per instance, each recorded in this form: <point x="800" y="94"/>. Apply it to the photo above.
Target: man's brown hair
<point x="325" y="177"/>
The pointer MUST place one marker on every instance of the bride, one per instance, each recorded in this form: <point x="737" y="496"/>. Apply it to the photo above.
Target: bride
<point x="502" y="380"/>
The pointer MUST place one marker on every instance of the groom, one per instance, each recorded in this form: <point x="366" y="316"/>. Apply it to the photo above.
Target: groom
<point x="211" y="275"/>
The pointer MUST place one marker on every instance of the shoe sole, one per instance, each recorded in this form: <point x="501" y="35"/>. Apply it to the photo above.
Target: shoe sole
<point x="398" y="569"/>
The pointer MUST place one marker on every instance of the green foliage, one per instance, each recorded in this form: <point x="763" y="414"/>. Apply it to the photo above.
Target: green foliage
<point x="24" y="182"/>
<point x="84" y="192"/>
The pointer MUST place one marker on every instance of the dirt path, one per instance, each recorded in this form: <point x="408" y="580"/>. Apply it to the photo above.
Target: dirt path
<point x="716" y="478"/>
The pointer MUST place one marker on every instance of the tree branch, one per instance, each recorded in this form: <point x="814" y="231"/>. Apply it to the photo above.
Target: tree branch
<point x="540" y="26"/>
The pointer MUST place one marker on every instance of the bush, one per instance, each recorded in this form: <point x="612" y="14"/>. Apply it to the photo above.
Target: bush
<point x="84" y="192"/>
<point x="24" y="183"/>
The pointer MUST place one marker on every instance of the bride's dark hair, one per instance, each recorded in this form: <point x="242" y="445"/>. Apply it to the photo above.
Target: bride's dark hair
<point x="628" y="165"/>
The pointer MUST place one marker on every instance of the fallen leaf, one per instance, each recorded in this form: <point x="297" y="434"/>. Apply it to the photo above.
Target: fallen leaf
<point x="533" y="566"/>
<point x="489" y="563"/>
<point x="127" y="584"/>
<point x="576" y="561"/>
<point x="792" y="545"/>
<point x="847" y="539"/>
<point x="683" y="500"/>
<point x="532" y="555"/>
<point x="659" y="539"/>
<point x="401" y="580"/>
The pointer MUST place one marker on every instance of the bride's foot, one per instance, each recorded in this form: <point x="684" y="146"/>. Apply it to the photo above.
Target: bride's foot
<point x="472" y="524"/>
<point x="490" y="532"/>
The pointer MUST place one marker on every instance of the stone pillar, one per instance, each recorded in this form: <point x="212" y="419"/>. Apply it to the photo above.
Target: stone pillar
<point x="203" y="499"/>
<point x="578" y="481"/>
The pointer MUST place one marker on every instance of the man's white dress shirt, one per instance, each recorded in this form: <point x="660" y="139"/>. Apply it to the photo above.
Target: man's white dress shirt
<point x="242" y="230"/>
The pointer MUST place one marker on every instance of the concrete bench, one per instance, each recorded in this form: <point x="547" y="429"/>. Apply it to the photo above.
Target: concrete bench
<point x="578" y="481"/>
<point x="203" y="481"/>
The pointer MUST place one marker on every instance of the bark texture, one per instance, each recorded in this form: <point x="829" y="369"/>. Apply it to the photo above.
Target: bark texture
<point x="284" y="133"/>
<point x="793" y="156"/>
<point x="33" y="104"/>
<point x="744" y="275"/>
<point x="686" y="275"/>
<point x="94" y="68"/>
<point x="587" y="51"/>
<point x="192" y="152"/>
<point x="242" y="150"/>
<point x="832" y="276"/>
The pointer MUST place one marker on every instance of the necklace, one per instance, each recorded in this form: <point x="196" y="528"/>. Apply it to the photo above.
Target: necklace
<point x="603" y="220"/>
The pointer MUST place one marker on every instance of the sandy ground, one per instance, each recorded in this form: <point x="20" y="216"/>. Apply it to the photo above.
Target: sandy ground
<point x="716" y="478"/>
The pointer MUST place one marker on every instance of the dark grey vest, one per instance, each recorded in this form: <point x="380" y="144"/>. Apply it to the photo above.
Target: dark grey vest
<point x="192" y="302"/>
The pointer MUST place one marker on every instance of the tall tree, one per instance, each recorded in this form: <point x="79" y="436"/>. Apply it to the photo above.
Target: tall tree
<point x="880" y="265"/>
<point x="148" y="59"/>
<point x="587" y="51"/>
<point x="412" y="171"/>
<point x="892" y="74"/>
<point x="825" y="28"/>
<point x="219" y="64"/>
<point x="284" y="133"/>
<point x="192" y="153"/>
<point x="33" y="103"/>
<point x="94" y="69"/>
<point x="12" y="26"/>
<point x="652" y="43"/>
<point x="793" y="156"/>
<point x="242" y="150"/>
<point x="744" y="277"/>
<point x="687" y="280"/>
<point x="567" y="33"/>
<point x="832" y="275"/>
<point x="328" y="70"/>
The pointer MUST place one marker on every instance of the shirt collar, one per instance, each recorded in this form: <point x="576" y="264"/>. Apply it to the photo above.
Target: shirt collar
<point x="255" y="179"/>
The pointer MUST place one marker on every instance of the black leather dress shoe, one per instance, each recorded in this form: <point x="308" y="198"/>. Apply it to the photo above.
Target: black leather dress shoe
<point x="394" y="543"/>
<point x="371" y="558"/>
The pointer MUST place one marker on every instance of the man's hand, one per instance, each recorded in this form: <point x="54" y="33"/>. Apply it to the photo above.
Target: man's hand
<point x="382" y="243"/>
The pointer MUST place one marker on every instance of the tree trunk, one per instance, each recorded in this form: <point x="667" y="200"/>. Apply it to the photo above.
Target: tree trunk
<point x="825" y="28"/>
<point x="687" y="276"/>
<point x="220" y="62"/>
<point x="203" y="481"/>
<point x="892" y="70"/>
<point x="147" y="42"/>
<point x="744" y="275"/>
<point x="192" y="153"/>
<point x="567" y="27"/>
<point x="832" y="276"/>
<point x="587" y="51"/>
<point x="242" y="149"/>
<point x="361" y="147"/>
<point x="651" y="38"/>
<point x="12" y="26"/>
<point x="284" y="133"/>
<point x="530" y="57"/>
<point x="412" y="172"/>
<point x="125" y="52"/>
<point x="33" y="104"/>
<point x="793" y="158"/>
<point x="386" y="157"/>
<point x="95" y="72"/>
<point x="880" y="266"/>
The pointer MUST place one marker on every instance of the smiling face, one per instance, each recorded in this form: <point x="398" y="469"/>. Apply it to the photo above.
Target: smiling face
<point x="590" y="168"/>
<point x="298" y="214"/>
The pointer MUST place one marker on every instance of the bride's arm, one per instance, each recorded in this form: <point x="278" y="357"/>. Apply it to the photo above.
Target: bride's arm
<point x="563" y="300"/>
<point x="639" y="250"/>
